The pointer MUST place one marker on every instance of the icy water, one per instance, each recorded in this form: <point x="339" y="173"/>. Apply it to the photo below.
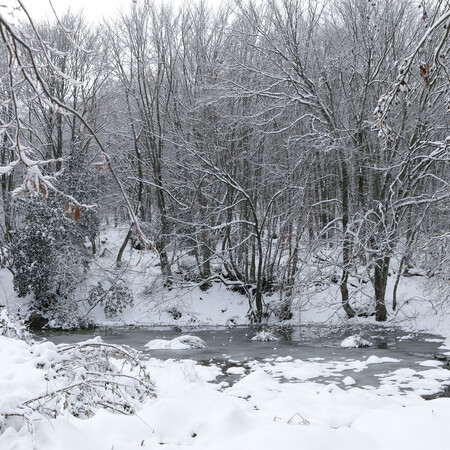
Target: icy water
<point x="235" y="348"/>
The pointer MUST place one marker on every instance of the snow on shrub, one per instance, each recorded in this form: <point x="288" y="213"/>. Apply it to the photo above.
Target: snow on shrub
<point x="77" y="379"/>
<point x="264" y="336"/>
<point x="49" y="253"/>
<point x="11" y="328"/>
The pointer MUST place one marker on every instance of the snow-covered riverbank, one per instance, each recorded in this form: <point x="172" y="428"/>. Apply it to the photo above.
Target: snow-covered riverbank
<point x="260" y="411"/>
<point x="419" y="302"/>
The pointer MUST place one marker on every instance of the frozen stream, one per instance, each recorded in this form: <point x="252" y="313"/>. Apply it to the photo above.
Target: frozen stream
<point x="305" y="353"/>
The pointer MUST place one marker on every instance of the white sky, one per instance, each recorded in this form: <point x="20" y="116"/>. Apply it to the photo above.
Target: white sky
<point x="94" y="9"/>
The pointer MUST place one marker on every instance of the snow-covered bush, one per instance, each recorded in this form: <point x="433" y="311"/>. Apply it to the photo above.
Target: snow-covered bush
<point x="80" y="379"/>
<point x="113" y="300"/>
<point x="264" y="336"/>
<point x="96" y="375"/>
<point x="282" y="309"/>
<point x="33" y="251"/>
<point x="50" y="252"/>
<point x="11" y="328"/>
<point x="68" y="316"/>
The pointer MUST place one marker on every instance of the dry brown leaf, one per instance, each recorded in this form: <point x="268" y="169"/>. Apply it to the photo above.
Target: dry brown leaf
<point x="76" y="214"/>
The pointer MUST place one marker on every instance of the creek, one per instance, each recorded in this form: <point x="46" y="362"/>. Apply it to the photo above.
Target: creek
<point x="311" y="343"/>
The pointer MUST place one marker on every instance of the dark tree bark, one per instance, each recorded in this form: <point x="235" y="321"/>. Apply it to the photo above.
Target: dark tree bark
<point x="380" y="280"/>
<point x="346" y="246"/>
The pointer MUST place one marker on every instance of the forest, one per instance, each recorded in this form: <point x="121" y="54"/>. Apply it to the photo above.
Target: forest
<point x="274" y="146"/>
<point x="225" y="225"/>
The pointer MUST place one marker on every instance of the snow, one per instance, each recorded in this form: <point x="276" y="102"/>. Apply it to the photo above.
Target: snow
<point x="186" y="305"/>
<point x="264" y="336"/>
<point x="349" y="381"/>
<point x="280" y="402"/>
<point x="179" y="343"/>
<point x="236" y="370"/>
<point x="431" y="363"/>
<point x="355" y="342"/>
<point x="192" y="409"/>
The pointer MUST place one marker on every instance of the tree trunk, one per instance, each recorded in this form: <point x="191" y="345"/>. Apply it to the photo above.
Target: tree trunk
<point x="346" y="241"/>
<point x="161" y="201"/>
<point x="205" y="244"/>
<point x="397" y="281"/>
<point x="344" y="295"/>
<point x="258" y="294"/>
<point x="124" y="245"/>
<point x="380" y="281"/>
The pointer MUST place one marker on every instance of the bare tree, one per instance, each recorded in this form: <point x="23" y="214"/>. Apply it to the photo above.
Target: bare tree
<point x="29" y="60"/>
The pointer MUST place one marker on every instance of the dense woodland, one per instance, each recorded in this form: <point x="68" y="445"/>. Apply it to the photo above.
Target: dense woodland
<point x="278" y="144"/>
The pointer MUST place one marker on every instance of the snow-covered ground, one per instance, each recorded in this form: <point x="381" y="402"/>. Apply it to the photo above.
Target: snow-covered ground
<point x="194" y="409"/>
<point x="260" y="411"/>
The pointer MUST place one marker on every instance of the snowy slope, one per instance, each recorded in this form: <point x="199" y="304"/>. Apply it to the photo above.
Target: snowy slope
<point x="185" y="304"/>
